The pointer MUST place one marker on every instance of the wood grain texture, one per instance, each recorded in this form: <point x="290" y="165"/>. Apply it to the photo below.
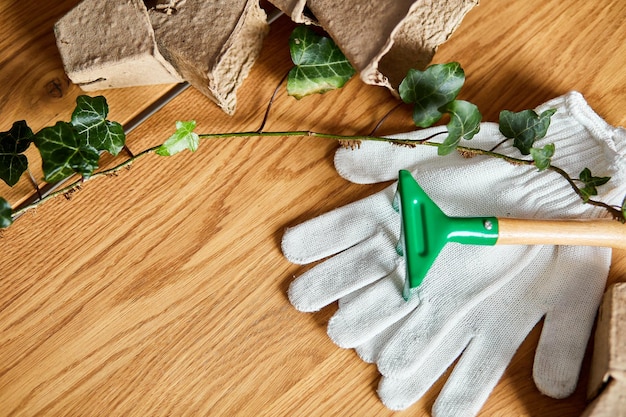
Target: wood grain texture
<point x="162" y="291"/>
<point x="598" y="232"/>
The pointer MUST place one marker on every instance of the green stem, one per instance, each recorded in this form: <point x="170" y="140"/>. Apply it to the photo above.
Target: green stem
<point x="76" y="184"/>
<point x="307" y="133"/>
<point x="616" y="213"/>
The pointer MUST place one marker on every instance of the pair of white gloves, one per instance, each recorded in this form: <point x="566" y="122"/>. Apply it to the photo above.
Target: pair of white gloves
<point x="477" y="303"/>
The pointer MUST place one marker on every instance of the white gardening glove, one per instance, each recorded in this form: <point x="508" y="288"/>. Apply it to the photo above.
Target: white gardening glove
<point x="367" y="272"/>
<point x="566" y="288"/>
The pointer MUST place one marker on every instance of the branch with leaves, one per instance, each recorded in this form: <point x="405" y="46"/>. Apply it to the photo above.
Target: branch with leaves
<point x="75" y="147"/>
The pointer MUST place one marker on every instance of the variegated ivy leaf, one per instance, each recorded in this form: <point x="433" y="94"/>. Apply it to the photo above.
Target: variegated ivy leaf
<point x="183" y="138"/>
<point x="464" y="124"/>
<point x="320" y="66"/>
<point x="64" y="152"/>
<point x="431" y="90"/>
<point x="12" y="144"/>
<point x="90" y="120"/>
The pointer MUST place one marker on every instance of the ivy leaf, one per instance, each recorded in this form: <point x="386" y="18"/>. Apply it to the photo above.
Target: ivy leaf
<point x="590" y="183"/>
<point x="525" y="127"/>
<point x="90" y="120"/>
<point x="320" y="66"/>
<point x="183" y="138"/>
<point x="64" y="151"/>
<point x="6" y="213"/>
<point x="464" y="124"/>
<point x="12" y="144"/>
<point x="430" y="90"/>
<point x="543" y="156"/>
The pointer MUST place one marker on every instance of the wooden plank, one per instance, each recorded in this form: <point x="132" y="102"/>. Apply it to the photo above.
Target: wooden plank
<point x="162" y="291"/>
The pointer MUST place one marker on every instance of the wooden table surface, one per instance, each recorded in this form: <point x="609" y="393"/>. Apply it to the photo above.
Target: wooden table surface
<point x="162" y="291"/>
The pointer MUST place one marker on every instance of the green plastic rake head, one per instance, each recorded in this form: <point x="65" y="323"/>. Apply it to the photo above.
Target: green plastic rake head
<point x="426" y="230"/>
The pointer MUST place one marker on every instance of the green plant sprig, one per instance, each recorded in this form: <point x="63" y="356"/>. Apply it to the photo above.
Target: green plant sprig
<point x="350" y="139"/>
<point x="74" y="147"/>
<point x="67" y="190"/>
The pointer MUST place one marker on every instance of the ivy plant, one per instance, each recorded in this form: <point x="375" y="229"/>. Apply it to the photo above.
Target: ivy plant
<point x="319" y="64"/>
<point x="430" y="91"/>
<point x="13" y="144"/>
<point x="590" y="183"/>
<point x="74" y="148"/>
<point x="183" y="138"/>
<point x="91" y="124"/>
<point x="525" y="127"/>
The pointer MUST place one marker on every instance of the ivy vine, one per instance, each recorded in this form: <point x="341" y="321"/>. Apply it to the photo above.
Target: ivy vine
<point x="74" y="148"/>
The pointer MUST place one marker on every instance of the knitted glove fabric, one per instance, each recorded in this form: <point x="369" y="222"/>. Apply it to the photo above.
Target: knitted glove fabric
<point x="476" y="302"/>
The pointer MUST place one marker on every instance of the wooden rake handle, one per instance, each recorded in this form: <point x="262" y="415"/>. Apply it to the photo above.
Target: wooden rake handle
<point x="605" y="233"/>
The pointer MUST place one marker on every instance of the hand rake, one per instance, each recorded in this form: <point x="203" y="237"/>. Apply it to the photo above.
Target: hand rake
<point x="426" y="229"/>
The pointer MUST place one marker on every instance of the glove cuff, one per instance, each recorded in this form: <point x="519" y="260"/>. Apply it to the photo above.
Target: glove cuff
<point x="581" y="137"/>
<point x="574" y="105"/>
<point x="585" y="140"/>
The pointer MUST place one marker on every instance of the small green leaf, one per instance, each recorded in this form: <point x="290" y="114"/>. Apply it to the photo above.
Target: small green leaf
<point x="590" y="183"/>
<point x="320" y="66"/>
<point x="543" y="156"/>
<point x="90" y="120"/>
<point x="6" y="214"/>
<point x="525" y="127"/>
<point x="183" y="138"/>
<point x="464" y="124"/>
<point x="64" y="151"/>
<point x="624" y="210"/>
<point x="430" y="90"/>
<point x="12" y="144"/>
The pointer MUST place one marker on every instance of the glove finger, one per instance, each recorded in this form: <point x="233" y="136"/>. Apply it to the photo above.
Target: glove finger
<point x="400" y="393"/>
<point x="486" y="358"/>
<point x="380" y="161"/>
<point x="449" y="299"/>
<point x="369" y="350"/>
<point x="351" y="296"/>
<point x="375" y="309"/>
<point x="501" y="323"/>
<point x="467" y="389"/>
<point x="343" y="273"/>
<point x="485" y="353"/>
<point x="569" y="323"/>
<point x="342" y="228"/>
<point x="375" y="162"/>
